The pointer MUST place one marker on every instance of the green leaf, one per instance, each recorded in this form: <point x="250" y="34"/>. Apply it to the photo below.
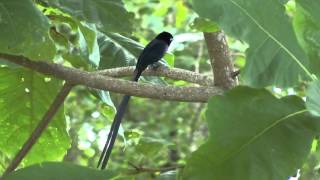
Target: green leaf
<point x="253" y="135"/>
<point x="274" y="56"/>
<point x="313" y="98"/>
<point x="109" y="108"/>
<point x="312" y="6"/>
<point x="310" y="170"/>
<point x="283" y="1"/>
<point x="170" y="175"/>
<point x="204" y="25"/>
<point x="307" y="28"/>
<point x="24" y="30"/>
<point x="25" y="96"/>
<point x="57" y="170"/>
<point x="117" y="51"/>
<point x="182" y="13"/>
<point x="76" y="41"/>
<point x="84" y="51"/>
<point x="91" y="39"/>
<point x="150" y="147"/>
<point x="108" y="15"/>
<point x="169" y="57"/>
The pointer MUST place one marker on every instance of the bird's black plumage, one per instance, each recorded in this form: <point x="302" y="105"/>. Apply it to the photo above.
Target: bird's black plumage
<point x="152" y="53"/>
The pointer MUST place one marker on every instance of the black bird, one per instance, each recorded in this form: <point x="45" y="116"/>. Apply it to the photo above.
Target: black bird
<point x="152" y="53"/>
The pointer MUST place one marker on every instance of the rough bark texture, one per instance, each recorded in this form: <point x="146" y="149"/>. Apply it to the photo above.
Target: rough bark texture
<point x="97" y="81"/>
<point x="220" y="60"/>
<point x="172" y="73"/>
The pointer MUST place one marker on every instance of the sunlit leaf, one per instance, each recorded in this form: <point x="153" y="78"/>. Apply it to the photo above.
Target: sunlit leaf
<point x="169" y="59"/>
<point x="182" y="13"/>
<point x="307" y="28"/>
<point x="76" y="41"/>
<point x="25" y="96"/>
<point x="108" y="15"/>
<point x="312" y="6"/>
<point x="313" y="98"/>
<point x="24" y="30"/>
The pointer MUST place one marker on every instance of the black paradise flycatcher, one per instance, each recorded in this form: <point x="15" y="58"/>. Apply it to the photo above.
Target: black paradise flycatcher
<point x="152" y="53"/>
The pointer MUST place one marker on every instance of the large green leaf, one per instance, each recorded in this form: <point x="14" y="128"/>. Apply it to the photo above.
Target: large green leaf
<point x="75" y="41"/>
<point x="253" y="135"/>
<point x="312" y="6"/>
<point x="274" y="56"/>
<point x="25" y="96"/>
<point x="117" y="50"/>
<point x="84" y="52"/>
<point x="306" y="24"/>
<point x="24" y="30"/>
<point x="55" y="171"/>
<point x="108" y="15"/>
<point x="313" y="98"/>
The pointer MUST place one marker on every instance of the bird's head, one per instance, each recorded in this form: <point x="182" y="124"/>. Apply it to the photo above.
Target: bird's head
<point x="165" y="36"/>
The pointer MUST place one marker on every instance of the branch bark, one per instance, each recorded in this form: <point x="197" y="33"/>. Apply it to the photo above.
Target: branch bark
<point x="173" y="73"/>
<point x="97" y="81"/>
<point x="220" y="59"/>
<point x="40" y="128"/>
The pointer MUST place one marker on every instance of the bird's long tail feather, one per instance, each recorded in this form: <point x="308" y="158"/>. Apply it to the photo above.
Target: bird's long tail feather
<point x="104" y="158"/>
<point x="113" y="133"/>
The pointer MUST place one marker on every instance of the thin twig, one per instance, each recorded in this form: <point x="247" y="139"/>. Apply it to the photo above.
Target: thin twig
<point x="198" y="58"/>
<point x="195" y="121"/>
<point x="58" y="101"/>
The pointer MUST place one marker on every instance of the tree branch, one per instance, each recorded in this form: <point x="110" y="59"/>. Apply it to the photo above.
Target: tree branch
<point x="173" y="73"/>
<point x="97" y="81"/>
<point x="58" y="101"/>
<point x="220" y="59"/>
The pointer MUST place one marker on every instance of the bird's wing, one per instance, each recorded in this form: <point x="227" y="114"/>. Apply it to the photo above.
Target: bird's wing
<point x="153" y="52"/>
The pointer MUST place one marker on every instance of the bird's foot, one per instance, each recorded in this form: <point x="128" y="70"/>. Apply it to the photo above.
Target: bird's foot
<point x="156" y="65"/>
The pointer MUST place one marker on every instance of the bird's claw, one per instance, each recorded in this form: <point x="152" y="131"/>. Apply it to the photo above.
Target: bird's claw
<point x="156" y="65"/>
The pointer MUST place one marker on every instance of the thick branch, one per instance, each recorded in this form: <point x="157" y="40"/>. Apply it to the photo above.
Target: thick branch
<point x="97" y="81"/>
<point x="220" y="59"/>
<point x="40" y="128"/>
<point x="173" y="73"/>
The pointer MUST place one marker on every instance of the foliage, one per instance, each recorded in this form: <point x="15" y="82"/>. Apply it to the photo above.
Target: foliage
<point x="247" y="133"/>
<point x="67" y="171"/>
<point x="28" y="94"/>
<point x="285" y="126"/>
<point x="273" y="48"/>
<point x="15" y="41"/>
